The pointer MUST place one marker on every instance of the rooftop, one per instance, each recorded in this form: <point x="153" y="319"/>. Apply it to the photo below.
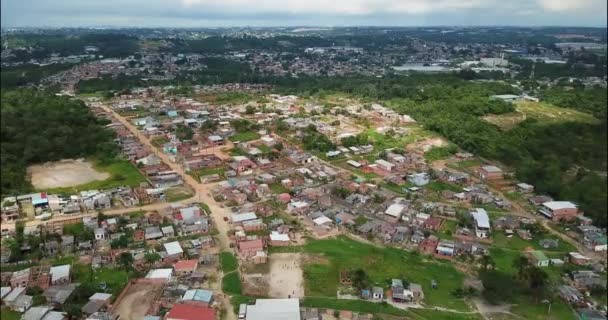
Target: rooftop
<point x="190" y="312"/>
<point x="274" y="309"/>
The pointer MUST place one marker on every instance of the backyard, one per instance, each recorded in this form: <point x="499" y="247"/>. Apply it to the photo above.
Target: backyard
<point x="245" y="136"/>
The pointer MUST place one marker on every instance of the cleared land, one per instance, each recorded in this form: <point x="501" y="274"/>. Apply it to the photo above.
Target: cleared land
<point x="540" y="111"/>
<point x="381" y="264"/>
<point x="117" y="173"/>
<point x="64" y="173"/>
<point x="286" y="278"/>
<point x="138" y="299"/>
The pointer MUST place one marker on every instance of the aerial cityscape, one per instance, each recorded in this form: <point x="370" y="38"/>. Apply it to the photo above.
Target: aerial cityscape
<point x="303" y="160"/>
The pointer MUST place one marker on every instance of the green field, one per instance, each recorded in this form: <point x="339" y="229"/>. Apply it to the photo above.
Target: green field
<point x="231" y="284"/>
<point x="228" y="262"/>
<point x="122" y="173"/>
<point x="114" y="278"/>
<point x="278" y="188"/>
<point x="245" y="136"/>
<point x="6" y="314"/>
<point x="541" y="111"/>
<point x="382" y="265"/>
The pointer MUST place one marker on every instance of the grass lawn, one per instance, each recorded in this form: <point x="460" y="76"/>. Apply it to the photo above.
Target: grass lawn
<point x="352" y="305"/>
<point x="541" y="111"/>
<point x="114" y="278"/>
<point x="177" y="193"/>
<point x="528" y="310"/>
<point x="439" y="186"/>
<point x="447" y="229"/>
<point x="6" y="314"/>
<point x="381" y="264"/>
<point x="123" y="173"/>
<point x="440" y="153"/>
<point x="278" y="188"/>
<point x="231" y="284"/>
<point x="159" y="141"/>
<point x="236" y="301"/>
<point x="500" y="240"/>
<point x="424" y="314"/>
<point x="198" y="173"/>
<point x="245" y="136"/>
<point x="228" y="262"/>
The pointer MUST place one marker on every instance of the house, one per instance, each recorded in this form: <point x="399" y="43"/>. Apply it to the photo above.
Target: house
<point x="279" y="239"/>
<point x="248" y="249"/>
<point x="559" y="210"/>
<point x="273" y="309"/>
<point x="419" y="179"/>
<point x="377" y="293"/>
<point x="240" y="218"/>
<point x="586" y="279"/>
<point x="433" y="223"/>
<point x="174" y="251"/>
<point x="43" y="313"/>
<point x="153" y="233"/>
<point x="385" y="165"/>
<point x="445" y="248"/>
<point x="183" y="267"/>
<point x="17" y="300"/>
<point x="578" y="259"/>
<point x="570" y="294"/>
<point x="394" y="211"/>
<point x="490" y="173"/>
<point x="525" y="188"/>
<point x="100" y="234"/>
<point x="215" y="140"/>
<point x="199" y="297"/>
<point x="538" y="258"/>
<point x="182" y="311"/>
<point x="160" y="274"/>
<point x="589" y="314"/>
<point x="482" y="222"/>
<point x="168" y="231"/>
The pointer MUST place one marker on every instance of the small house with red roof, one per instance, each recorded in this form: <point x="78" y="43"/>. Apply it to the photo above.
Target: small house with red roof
<point x="190" y="312"/>
<point x="248" y="249"/>
<point x="184" y="267"/>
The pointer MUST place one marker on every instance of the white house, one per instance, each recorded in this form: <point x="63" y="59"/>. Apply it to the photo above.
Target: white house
<point x="482" y="222"/>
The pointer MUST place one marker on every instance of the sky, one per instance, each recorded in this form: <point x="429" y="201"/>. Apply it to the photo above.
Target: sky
<point x="225" y="13"/>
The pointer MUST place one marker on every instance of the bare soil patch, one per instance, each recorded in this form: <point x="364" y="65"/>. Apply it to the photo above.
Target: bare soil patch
<point x="286" y="277"/>
<point x="137" y="301"/>
<point x="64" y="173"/>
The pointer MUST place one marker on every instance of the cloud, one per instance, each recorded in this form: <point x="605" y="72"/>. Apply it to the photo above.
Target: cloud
<point x="569" y="5"/>
<point x="205" y="13"/>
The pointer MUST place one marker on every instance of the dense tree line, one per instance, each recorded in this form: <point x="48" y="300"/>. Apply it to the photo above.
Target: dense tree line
<point x="109" y="45"/>
<point x="37" y="127"/>
<point x="12" y="77"/>
<point x="590" y="100"/>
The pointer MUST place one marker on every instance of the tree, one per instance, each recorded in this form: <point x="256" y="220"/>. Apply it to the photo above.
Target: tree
<point x="486" y="262"/>
<point x="126" y="260"/>
<point x="151" y="257"/>
<point x="250" y="109"/>
<point x="521" y="263"/>
<point x="360" y="279"/>
<point x="537" y="281"/>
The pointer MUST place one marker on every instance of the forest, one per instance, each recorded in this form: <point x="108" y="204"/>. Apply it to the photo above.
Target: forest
<point x="37" y="127"/>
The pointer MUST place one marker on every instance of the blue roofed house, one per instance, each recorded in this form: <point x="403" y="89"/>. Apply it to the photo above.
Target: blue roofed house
<point x="198" y="296"/>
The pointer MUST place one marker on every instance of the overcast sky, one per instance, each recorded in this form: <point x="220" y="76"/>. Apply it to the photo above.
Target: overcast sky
<point x="210" y="13"/>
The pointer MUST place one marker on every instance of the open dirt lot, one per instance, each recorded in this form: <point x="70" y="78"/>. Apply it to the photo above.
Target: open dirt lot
<point x="136" y="302"/>
<point x="286" y="278"/>
<point x="64" y="173"/>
